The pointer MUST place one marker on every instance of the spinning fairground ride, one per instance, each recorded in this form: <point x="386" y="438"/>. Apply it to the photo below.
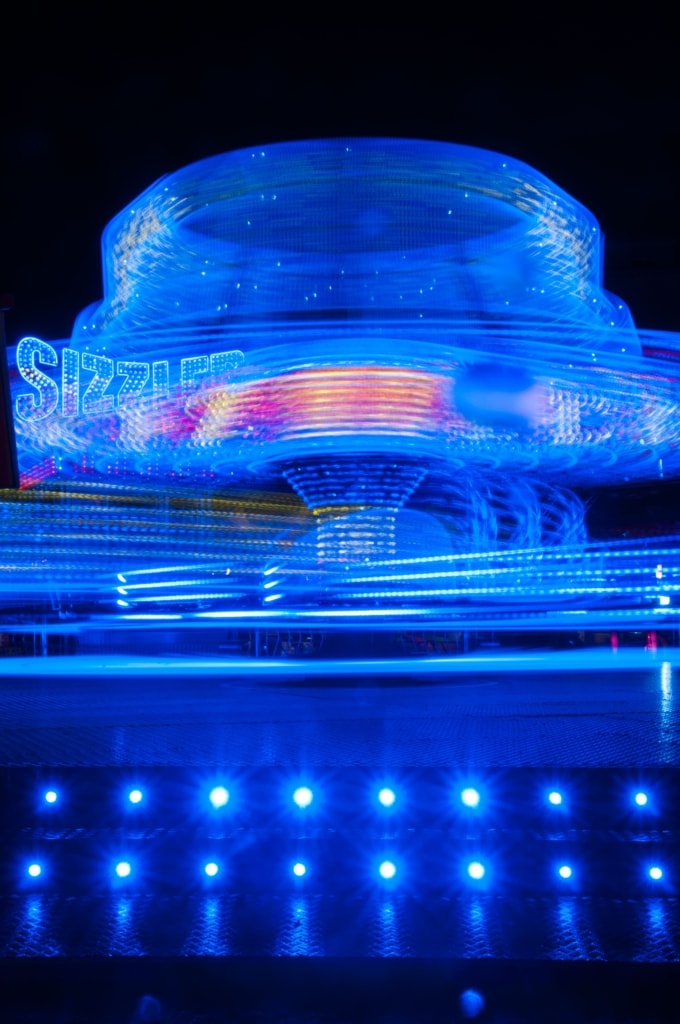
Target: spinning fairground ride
<point x="338" y="382"/>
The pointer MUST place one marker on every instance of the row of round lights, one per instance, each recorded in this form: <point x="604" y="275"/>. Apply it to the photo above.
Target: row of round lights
<point x="219" y="796"/>
<point x="387" y="870"/>
<point x="303" y="796"/>
<point x="123" y="869"/>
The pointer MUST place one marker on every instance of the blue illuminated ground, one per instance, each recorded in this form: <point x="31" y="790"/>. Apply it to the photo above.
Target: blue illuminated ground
<point x="596" y="726"/>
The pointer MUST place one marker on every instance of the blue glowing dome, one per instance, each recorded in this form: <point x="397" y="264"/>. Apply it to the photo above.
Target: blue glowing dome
<point x="353" y="231"/>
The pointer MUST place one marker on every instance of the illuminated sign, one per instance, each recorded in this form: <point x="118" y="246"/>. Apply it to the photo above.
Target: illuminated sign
<point x="92" y="385"/>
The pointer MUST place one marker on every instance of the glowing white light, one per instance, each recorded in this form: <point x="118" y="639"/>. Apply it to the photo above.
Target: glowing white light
<point x="564" y="871"/>
<point x="641" y="799"/>
<point x="476" y="870"/>
<point x="211" y="869"/>
<point x="664" y="599"/>
<point x="219" y="796"/>
<point x="387" y="869"/>
<point x="34" y="870"/>
<point x="555" y="798"/>
<point x="303" y="796"/>
<point x="387" y="797"/>
<point x="123" y="869"/>
<point x="470" y="797"/>
<point x="50" y="797"/>
<point x="656" y="873"/>
<point x="135" y="796"/>
<point x="299" y="869"/>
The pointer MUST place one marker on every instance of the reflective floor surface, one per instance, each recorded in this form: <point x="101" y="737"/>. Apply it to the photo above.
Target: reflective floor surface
<point x="492" y="837"/>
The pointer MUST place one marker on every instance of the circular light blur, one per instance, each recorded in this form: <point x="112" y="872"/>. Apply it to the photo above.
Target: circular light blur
<point x="471" y="1003"/>
<point x="50" y="797"/>
<point x="387" y="797"/>
<point x="303" y="796"/>
<point x="470" y="797"/>
<point x="34" y="870"/>
<point x="219" y="796"/>
<point x="211" y="869"/>
<point x="387" y="869"/>
<point x="641" y="799"/>
<point x="123" y="869"/>
<point x="655" y="873"/>
<point x="564" y="871"/>
<point x="476" y="870"/>
<point x="555" y="798"/>
<point x="135" y="796"/>
<point x="299" y="870"/>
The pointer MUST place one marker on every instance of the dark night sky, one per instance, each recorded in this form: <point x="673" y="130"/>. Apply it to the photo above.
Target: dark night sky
<point x="93" y="116"/>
